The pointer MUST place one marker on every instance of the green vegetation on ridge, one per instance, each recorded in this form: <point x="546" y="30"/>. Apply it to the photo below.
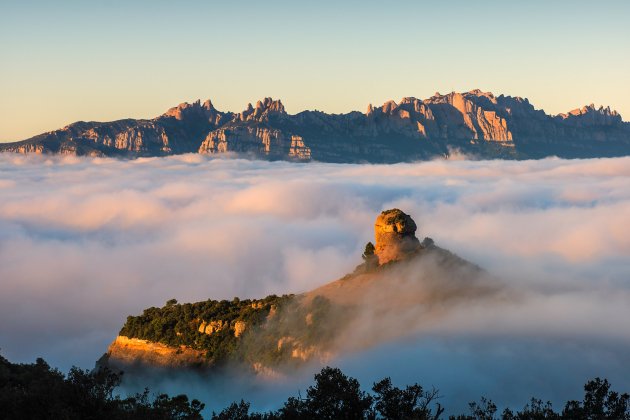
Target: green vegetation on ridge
<point x="179" y="324"/>
<point x="240" y="330"/>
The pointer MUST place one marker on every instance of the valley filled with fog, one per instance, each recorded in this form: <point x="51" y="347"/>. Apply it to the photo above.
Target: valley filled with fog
<point x="84" y="242"/>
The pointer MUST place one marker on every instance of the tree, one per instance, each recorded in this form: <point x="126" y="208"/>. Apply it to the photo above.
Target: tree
<point x="371" y="259"/>
<point x="336" y="396"/>
<point x="485" y="409"/>
<point x="411" y="403"/>
<point x="535" y="410"/>
<point x="599" y="403"/>
<point x="368" y="253"/>
<point x="36" y="391"/>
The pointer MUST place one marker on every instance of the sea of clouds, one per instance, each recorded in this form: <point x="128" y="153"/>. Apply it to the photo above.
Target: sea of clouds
<point x="85" y="242"/>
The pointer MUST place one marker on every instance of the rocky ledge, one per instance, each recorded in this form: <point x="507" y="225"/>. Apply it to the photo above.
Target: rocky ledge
<point x="125" y="351"/>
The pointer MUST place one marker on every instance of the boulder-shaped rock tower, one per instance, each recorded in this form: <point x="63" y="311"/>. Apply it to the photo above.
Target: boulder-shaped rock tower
<point x="395" y="234"/>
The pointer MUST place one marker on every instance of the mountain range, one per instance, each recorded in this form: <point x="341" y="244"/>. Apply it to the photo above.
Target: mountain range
<point x="476" y="123"/>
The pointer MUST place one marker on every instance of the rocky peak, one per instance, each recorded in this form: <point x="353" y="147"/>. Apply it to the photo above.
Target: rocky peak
<point x="273" y="106"/>
<point x="395" y="235"/>
<point x="481" y="93"/>
<point x="589" y="109"/>
<point x="196" y="109"/>
<point x="208" y="105"/>
<point x="590" y="115"/>
<point x="389" y="107"/>
<point x="413" y="104"/>
<point x="457" y="98"/>
<point x="407" y="100"/>
<point x="262" y="111"/>
<point x="177" y="111"/>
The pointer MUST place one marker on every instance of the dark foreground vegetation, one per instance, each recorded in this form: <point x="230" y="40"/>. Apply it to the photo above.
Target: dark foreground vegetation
<point x="337" y="396"/>
<point x="35" y="391"/>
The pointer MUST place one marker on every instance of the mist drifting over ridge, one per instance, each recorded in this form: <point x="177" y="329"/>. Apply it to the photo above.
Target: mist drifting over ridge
<point x="85" y="242"/>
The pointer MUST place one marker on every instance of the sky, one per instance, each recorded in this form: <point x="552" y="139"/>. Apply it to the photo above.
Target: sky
<point x="84" y="242"/>
<point x="72" y="60"/>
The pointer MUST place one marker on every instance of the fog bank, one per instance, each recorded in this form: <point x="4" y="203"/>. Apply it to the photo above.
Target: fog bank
<point x="86" y="242"/>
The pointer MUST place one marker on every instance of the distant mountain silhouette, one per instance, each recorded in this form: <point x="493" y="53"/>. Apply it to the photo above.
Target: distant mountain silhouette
<point x="475" y="122"/>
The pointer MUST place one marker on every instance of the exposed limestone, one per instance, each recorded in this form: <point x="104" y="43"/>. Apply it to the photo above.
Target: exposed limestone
<point x="242" y="139"/>
<point x="299" y="351"/>
<point x="239" y="328"/>
<point x="137" y="139"/>
<point x="263" y="111"/>
<point x="413" y="129"/>
<point x="298" y="149"/>
<point x="263" y="140"/>
<point x="29" y="148"/>
<point x="126" y="351"/>
<point x="454" y="115"/>
<point x="196" y="111"/>
<point x="212" y="327"/>
<point x="395" y="234"/>
<point x="267" y="372"/>
<point x="215" y="326"/>
<point x="591" y="116"/>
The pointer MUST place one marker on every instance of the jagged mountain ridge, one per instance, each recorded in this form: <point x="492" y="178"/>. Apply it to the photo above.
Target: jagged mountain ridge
<point x="475" y="122"/>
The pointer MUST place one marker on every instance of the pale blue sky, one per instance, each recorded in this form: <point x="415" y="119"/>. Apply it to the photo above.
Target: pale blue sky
<point x="75" y="60"/>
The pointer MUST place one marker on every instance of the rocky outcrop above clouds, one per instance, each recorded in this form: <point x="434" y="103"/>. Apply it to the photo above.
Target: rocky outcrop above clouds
<point x="281" y="333"/>
<point x="395" y="235"/>
<point x="475" y="122"/>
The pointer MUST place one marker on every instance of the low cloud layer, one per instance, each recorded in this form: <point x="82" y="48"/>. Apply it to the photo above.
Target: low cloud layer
<point x="86" y="242"/>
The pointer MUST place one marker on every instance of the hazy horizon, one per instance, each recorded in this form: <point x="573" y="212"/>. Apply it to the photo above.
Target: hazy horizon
<point x="91" y="61"/>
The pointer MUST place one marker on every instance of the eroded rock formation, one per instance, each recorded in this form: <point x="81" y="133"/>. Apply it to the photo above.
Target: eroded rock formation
<point x="395" y="235"/>
<point x="476" y="122"/>
<point x="125" y="351"/>
<point x="212" y="326"/>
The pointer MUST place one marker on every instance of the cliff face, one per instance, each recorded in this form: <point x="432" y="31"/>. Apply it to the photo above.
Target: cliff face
<point x="395" y="235"/>
<point x="125" y="351"/>
<point x="477" y="122"/>
<point x="456" y="116"/>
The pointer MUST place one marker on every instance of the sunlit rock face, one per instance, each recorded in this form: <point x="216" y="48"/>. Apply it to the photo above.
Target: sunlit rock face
<point x="475" y="122"/>
<point x="395" y="234"/>
<point x="126" y="351"/>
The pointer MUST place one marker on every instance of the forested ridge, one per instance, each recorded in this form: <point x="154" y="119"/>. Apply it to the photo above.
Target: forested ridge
<point x="239" y="330"/>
